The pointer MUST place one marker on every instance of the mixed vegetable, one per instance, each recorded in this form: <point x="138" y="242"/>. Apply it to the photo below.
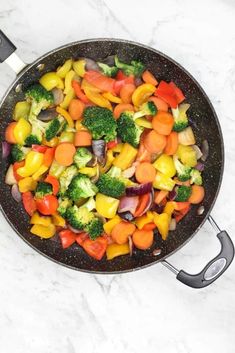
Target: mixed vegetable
<point x="103" y="155"/>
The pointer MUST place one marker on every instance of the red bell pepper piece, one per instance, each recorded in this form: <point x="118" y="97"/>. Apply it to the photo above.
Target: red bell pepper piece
<point x="39" y="148"/>
<point x="122" y="80"/>
<point x="81" y="237"/>
<point x="49" y="156"/>
<point x="79" y="93"/>
<point x="47" y="205"/>
<point x="178" y="93"/>
<point x="112" y="144"/>
<point x="100" y="81"/>
<point x="16" y="166"/>
<point x="180" y="214"/>
<point x="67" y="238"/>
<point x="29" y="202"/>
<point x="95" y="248"/>
<point x="54" y="182"/>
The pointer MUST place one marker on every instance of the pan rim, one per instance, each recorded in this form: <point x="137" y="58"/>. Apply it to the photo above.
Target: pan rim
<point x="38" y="60"/>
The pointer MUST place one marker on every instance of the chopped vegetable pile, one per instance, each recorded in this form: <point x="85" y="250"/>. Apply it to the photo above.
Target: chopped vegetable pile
<point x="104" y="155"/>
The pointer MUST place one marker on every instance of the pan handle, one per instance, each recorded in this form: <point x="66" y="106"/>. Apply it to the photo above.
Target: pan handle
<point x="8" y="55"/>
<point x="214" y="269"/>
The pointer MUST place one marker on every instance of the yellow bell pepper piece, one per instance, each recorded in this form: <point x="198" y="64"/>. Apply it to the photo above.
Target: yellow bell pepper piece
<point x="143" y="220"/>
<point x="51" y="80"/>
<point x="114" y="250"/>
<point x="106" y="206"/>
<point x="109" y="161"/>
<point x="79" y="126"/>
<point x="86" y="85"/>
<point x="111" y="97"/>
<point x="52" y="143"/>
<point x="118" y="148"/>
<point x="66" y="136"/>
<point x="97" y="98"/>
<point x="187" y="155"/>
<point x="126" y="157"/>
<point x="22" y="130"/>
<point x="165" y="165"/>
<point x="58" y="220"/>
<point x="169" y="208"/>
<point x="64" y="69"/>
<point x="56" y="169"/>
<point x="142" y="93"/>
<point x="108" y="226"/>
<point x="163" y="182"/>
<point x="41" y="220"/>
<point x="162" y="223"/>
<point x="21" y="110"/>
<point x="67" y="99"/>
<point x="79" y="67"/>
<point x="89" y="171"/>
<point x="144" y="123"/>
<point x="66" y="115"/>
<point x="41" y="231"/>
<point x="68" y="81"/>
<point x="27" y="184"/>
<point x="37" y="175"/>
<point x="33" y="162"/>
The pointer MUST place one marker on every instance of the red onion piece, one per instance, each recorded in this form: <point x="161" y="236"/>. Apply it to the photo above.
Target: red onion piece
<point x="205" y="150"/>
<point x="16" y="193"/>
<point x="128" y="204"/>
<point x="172" y="224"/>
<point x="138" y="81"/>
<point x="127" y="216"/>
<point x="157" y="208"/>
<point x="198" y="151"/>
<point x="109" y="60"/>
<point x="129" y="172"/>
<point x="58" y="95"/>
<point x="91" y="65"/>
<point x="6" y="149"/>
<point x="149" y="205"/>
<point x="99" y="150"/>
<point x="47" y="114"/>
<point x="199" y="166"/>
<point x="140" y="189"/>
<point x="172" y="195"/>
<point x="75" y="230"/>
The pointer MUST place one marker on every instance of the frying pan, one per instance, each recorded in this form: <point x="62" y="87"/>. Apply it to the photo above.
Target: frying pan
<point x="205" y="125"/>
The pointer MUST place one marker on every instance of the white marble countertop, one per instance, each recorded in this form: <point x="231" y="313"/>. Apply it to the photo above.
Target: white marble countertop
<point x="48" y="308"/>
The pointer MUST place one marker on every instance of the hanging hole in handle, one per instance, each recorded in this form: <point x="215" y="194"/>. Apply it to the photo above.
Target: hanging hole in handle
<point x="215" y="269"/>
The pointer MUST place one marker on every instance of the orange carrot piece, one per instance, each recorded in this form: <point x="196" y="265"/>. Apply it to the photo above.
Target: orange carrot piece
<point x="163" y="123"/>
<point x="126" y="92"/>
<point x="82" y="138"/>
<point x="122" y="231"/>
<point x="143" y="239"/>
<point x="171" y="143"/>
<point x="145" y="173"/>
<point x="198" y="193"/>
<point x="48" y="156"/>
<point x="120" y="108"/>
<point x="143" y="154"/>
<point x="148" y="77"/>
<point x="76" y="108"/>
<point x="154" y="142"/>
<point x="149" y="226"/>
<point x="64" y="153"/>
<point x="178" y="182"/>
<point x="159" y="196"/>
<point x="143" y="202"/>
<point x="179" y="206"/>
<point x="160" y="104"/>
<point x="9" y="133"/>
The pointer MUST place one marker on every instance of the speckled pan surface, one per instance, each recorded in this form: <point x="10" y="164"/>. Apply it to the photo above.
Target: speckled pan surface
<point x="205" y="124"/>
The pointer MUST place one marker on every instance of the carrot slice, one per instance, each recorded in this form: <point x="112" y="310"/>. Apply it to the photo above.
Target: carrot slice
<point x="197" y="195"/>
<point x="154" y="142"/>
<point x="163" y="123"/>
<point x="148" y="77"/>
<point x="120" y="108"/>
<point x="64" y="153"/>
<point x="82" y="138"/>
<point x="149" y="226"/>
<point x="79" y="93"/>
<point x="160" y="104"/>
<point x="171" y="143"/>
<point x="159" y="196"/>
<point x="143" y="154"/>
<point x="179" y="206"/>
<point x="126" y="92"/>
<point x="143" y="202"/>
<point x="178" y="182"/>
<point x="145" y="173"/>
<point x="100" y="81"/>
<point x="122" y="231"/>
<point x="143" y="239"/>
<point x="76" y="108"/>
<point x="9" y="133"/>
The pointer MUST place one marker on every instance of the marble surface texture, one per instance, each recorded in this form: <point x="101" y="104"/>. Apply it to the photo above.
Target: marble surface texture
<point x="48" y="308"/>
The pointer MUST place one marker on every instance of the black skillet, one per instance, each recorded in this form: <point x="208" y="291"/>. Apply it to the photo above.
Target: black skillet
<point x="205" y="124"/>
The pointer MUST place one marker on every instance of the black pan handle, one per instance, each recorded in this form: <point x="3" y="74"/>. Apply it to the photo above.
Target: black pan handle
<point x="6" y="47"/>
<point x="214" y="269"/>
<point x="7" y="54"/>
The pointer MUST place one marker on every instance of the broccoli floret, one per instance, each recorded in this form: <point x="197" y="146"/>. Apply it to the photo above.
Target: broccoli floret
<point x="79" y="217"/>
<point x="66" y="178"/>
<point x="180" y="119"/>
<point x="43" y="189"/>
<point x="54" y="127"/>
<point x="135" y="68"/>
<point x="18" y="152"/>
<point x="183" y="171"/>
<point x="81" y="187"/>
<point x="100" y="122"/>
<point x="183" y="193"/>
<point x="64" y="203"/>
<point x="39" y="98"/>
<point x="94" y="228"/>
<point x="147" y="108"/>
<point x="110" y="71"/>
<point x="82" y="157"/>
<point x="128" y="130"/>
<point x="196" y="177"/>
<point x="110" y="186"/>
